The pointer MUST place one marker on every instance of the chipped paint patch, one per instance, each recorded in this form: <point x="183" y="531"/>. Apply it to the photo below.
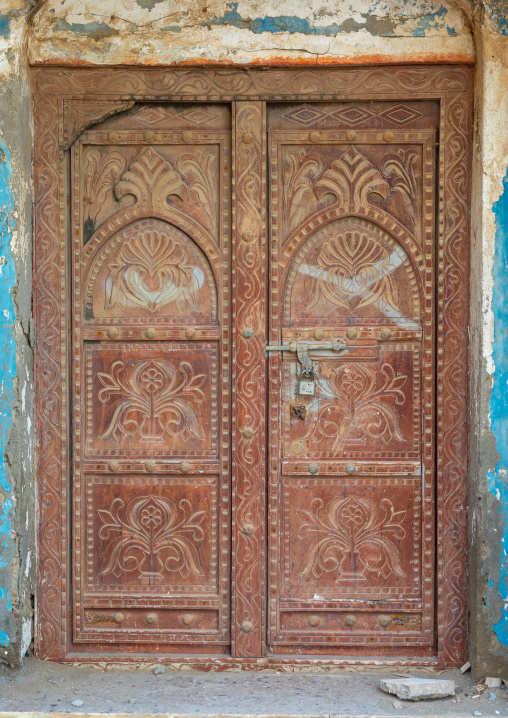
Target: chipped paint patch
<point x="5" y="26"/>
<point x="7" y="371"/>
<point x="95" y="30"/>
<point x="497" y="480"/>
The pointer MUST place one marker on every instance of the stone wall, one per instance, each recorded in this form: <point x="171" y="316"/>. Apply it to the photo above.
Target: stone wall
<point x="162" y="32"/>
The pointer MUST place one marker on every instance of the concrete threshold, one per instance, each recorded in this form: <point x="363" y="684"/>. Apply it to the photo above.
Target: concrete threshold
<point x="42" y="689"/>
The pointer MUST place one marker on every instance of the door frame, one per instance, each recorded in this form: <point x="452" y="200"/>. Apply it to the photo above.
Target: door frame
<point x="67" y="101"/>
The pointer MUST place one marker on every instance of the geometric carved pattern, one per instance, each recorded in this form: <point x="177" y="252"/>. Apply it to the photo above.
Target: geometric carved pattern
<point x="351" y="115"/>
<point x="451" y="86"/>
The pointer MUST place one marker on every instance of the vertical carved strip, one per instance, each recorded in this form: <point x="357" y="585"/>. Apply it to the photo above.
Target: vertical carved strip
<point x="453" y="373"/>
<point x="248" y="445"/>
<point x="48" y="377"/>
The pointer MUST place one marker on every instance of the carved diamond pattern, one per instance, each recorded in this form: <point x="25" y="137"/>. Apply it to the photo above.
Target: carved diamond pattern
<point x="306" y="115"/>
<point x="151" y="115"/>
<point x="353" y="115"/>
<point x="400" y="114"/>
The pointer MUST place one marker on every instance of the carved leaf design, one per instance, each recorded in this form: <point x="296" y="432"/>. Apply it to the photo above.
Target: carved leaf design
<point x="156" y="400"/>
<point x="199" y="170"/>
<point x="153" y="271"/>
<point x="101" y="174"/>
<point x="351" y="536"/>
<point x="301" y="172"/>
<point x="352" y="178"/>
<point x="402" y="168"/>
<point x="357" y="403"/>
<point x="151" y="179"/>
<point x="151" y="535"/>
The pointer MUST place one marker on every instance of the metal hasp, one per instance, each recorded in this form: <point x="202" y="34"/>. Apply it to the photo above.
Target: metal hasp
<point x="307" y="385"/>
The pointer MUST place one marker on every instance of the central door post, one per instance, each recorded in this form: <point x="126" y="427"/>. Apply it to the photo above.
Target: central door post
<point x="248" y="381"/>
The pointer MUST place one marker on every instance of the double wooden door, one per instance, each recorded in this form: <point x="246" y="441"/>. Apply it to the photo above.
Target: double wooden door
<point x="229" y="495"/>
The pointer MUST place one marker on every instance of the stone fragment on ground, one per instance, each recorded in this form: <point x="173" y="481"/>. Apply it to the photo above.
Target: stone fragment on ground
<point x="418" y="689"/>
<point x="492" y="682"/>
<point x="78" y="702"/>
<point x="158" y="670"/>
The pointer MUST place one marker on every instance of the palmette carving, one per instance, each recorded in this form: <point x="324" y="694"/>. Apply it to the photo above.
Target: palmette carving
<point x="151" y="535"/>
<point x="351" y="537"/>
<point x="353" y="271"/>
<point x="102" y="172"/>
<point x="156" y="399"/>
<point x="302" y="170"/>
<point x="357" y="402"/>
<point x="153" y="271"/>
<point x="352" y="179"/>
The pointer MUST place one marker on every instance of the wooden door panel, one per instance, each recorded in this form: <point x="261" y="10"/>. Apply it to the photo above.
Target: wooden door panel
<point x="365" y="408"/>
<point x="353" y="246"/>
<point x="151" y="379"/>
<point x="149" y="399"/>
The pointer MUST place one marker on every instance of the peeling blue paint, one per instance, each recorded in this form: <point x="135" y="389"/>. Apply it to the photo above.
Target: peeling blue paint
<point x="95" y="30"/>
<point x="7" y="369"/>
<point x="498" y="478"/>
<point x="452" y="32"/>
<point x="375" y="24"/>
<point x="5" y="25"/>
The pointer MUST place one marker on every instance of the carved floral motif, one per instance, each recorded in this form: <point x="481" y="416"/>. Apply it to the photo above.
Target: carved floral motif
<point x="353" y="271"/>
<point x="352" y="178"/>
<point x="153" y="271"/>
<point x="352" y="537"/>
<point x="155" y="400"/>
<point x="102" y="171"/>
<point x="151" y="534"/>
<point x="356" y="403"/>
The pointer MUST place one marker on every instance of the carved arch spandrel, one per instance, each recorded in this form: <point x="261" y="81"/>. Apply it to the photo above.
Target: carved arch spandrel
<point x="155" y="179"/>
<point x="150" y="269"/>
<point x="79" y="114"/>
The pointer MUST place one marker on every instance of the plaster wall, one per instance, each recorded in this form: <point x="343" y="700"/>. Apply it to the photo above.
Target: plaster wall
<point x="165" y="32"/>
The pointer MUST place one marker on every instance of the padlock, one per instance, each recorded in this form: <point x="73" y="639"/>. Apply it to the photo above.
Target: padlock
<point x="307" y="387"/>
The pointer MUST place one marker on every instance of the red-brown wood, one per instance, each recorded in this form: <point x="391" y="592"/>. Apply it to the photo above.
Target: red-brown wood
<point x="136" y="179"/>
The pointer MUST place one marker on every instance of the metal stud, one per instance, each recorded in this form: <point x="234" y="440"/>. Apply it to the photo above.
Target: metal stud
<point x="319" y="334"/>
<point x="185" y="467"/>
<point x="148" y="136"/>
<point x="384" y="621"/>
<point x="248" y="529"/>
<point x="350" y="620"/>
<point x="314" y="621"/>
<point x="113" y="333"/>
<point x="118" y="617"/>
<point x="151" y="618"/>
<point x="388" y="136"/>
<point x="350" y="468"/>
<point x="314" y="137"/>
<point x="351" y="333"/>
<point x="248" y="235"/>
<point x="150" y="333"/>
<point x="313" y="468"/>
<point x="187" y="136"/>
<point x="113" y="466"/>
<point x="247" y="626"/>
<point x="248" y="433"/>
<point x="190" y="333"/>
<point x="150" y="466"/>
<point x="247" y="332"/>
<point x="187" y="619"/>
<point x="385" y="334"/>
<point x="350" y="135"/>
<point x="247" y="138"/>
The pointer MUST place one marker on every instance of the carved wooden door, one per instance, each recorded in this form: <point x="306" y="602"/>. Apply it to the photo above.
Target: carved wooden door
<point x="352" y="295"/>
<point x="150" y="384"/>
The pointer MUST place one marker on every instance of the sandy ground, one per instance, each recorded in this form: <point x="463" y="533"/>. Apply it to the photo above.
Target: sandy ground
<point x="48" y="687"/>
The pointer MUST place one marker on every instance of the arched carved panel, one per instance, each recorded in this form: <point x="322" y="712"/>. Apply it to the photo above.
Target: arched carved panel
<point x="151" y="269"/>
<point x="352" y="271"/>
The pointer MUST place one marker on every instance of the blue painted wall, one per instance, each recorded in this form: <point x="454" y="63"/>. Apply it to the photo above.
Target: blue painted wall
<point x="498" y="478"/>
<point x="7" y="373"/>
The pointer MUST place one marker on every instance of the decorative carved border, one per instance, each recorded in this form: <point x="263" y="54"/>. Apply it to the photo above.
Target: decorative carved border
<point x="56" y="121"/>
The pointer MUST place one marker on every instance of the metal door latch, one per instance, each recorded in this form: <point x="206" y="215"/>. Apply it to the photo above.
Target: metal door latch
<point x="306" y="385"/>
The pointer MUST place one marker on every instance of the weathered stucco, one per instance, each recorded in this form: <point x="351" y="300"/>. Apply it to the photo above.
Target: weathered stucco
<point x="488" y="507"/>
<point x="163" y="32"/>
<point x="17" y="504"/>
<point x="263" y="31"/>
